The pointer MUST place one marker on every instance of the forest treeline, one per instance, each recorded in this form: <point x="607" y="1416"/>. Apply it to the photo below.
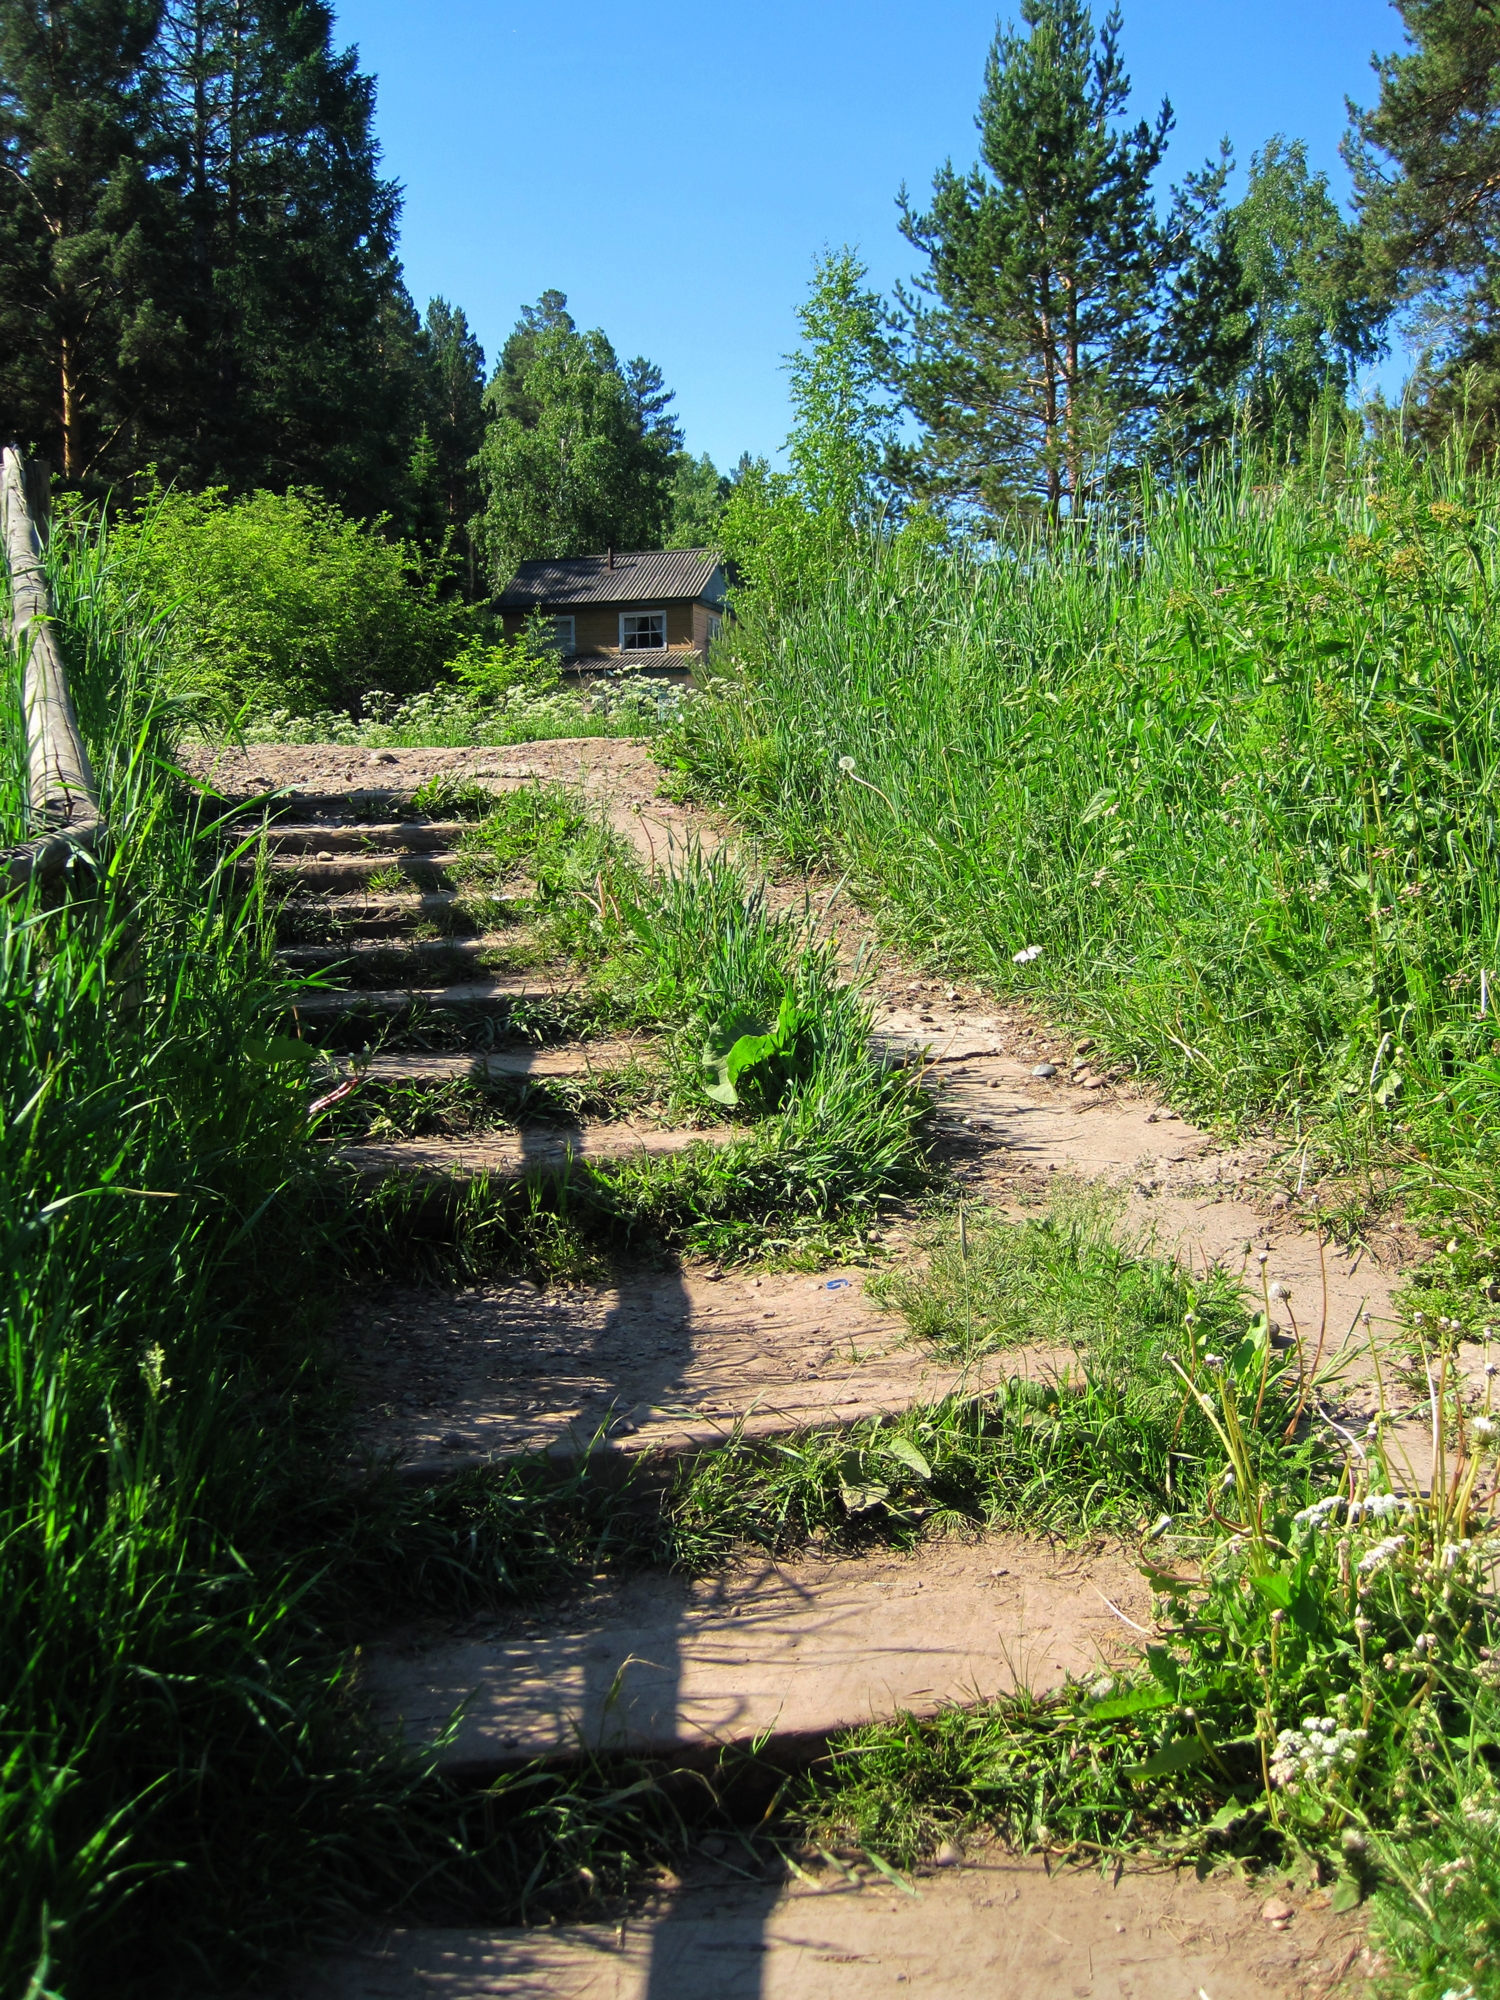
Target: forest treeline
<point x="200" y="286"/>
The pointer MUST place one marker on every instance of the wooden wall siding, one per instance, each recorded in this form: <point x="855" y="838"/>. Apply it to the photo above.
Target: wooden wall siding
<point x="596" y="627"/>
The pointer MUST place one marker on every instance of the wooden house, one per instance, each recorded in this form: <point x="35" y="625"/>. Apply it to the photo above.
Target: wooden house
<point x="639" y="608"/>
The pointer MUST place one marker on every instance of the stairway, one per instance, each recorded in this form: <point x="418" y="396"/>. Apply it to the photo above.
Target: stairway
<point x="424" y="987"/>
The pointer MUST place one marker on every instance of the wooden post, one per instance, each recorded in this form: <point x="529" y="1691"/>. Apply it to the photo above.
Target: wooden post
<point x="64" y="797"/>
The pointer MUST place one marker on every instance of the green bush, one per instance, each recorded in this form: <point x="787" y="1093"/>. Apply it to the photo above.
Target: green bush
<point x="279" y="600"/>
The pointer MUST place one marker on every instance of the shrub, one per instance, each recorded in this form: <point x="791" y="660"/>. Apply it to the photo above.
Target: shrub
<point x="279" y="600"/>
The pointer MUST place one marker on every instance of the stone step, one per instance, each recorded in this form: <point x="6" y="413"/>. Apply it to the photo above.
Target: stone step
<point x="351" y="871"/>
<point x="419" y="836"/>
<point x="782" y="1654"/>
<point x="371" y="804"/>
<point x="510" y="1155"/>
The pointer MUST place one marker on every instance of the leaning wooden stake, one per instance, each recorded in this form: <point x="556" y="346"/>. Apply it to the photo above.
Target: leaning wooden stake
<point x="64" y="798"/>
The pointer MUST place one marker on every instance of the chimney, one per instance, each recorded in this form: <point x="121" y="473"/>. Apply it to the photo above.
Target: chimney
<point x="611" y="558"/>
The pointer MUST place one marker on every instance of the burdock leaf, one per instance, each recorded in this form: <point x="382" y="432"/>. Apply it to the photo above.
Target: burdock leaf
<point x="1180" y="1755"/>
<point x="906" y="1451"/>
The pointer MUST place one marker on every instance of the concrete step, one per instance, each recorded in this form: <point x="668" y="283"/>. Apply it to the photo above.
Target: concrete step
<point x="418" y="836"/>
<point x="785" y="1654"/>
<point x="513" y="1154"/>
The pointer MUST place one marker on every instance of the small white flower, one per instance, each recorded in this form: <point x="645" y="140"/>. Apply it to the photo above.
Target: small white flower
<point x="1485" y="1427"/>
<point x="1280" y="1292"/>
<point x="1381" y="1554"/>
<point x="1318" y="1513"/>
<point x="1382" y="1507"/>
<point x="1026" y="954"/>
<point x="1316" y="1750"/>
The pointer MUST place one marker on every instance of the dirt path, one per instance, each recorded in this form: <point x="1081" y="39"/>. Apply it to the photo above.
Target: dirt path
<point x="677" y="1359"/>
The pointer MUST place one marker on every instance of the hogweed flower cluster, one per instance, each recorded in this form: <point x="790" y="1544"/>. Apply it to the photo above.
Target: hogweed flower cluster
<point x="1314" y="1752"/>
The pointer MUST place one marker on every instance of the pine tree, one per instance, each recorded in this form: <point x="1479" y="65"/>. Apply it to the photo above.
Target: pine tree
<point x="453" y="429"/>
<point x="1030" y="336"/>
<point x="83" y="229"/>
<point x="303" y="344"/>
<point x="1426" y="166"/>
<point x="652" y="401"/>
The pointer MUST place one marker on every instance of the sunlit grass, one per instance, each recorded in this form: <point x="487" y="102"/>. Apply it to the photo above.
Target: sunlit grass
<point x="1220" y="786"/>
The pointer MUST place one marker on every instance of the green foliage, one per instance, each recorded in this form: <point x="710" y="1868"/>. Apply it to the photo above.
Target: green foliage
<point x="567" y="466"/>
<point x="199" y="265"/>
<point x="527" y="664"/>
<point x="279" y="600"/>
<point x="1029" y="337"/>
<point x="1232" y="782"/>
<point x="1313" y="317"/>
<point x="699" y="491"/>
<point x="1425" y="161"/>
<point x="788" y="532"/>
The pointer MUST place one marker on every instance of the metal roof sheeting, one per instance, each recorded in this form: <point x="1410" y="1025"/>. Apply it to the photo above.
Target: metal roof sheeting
<point x="642" y="576"/>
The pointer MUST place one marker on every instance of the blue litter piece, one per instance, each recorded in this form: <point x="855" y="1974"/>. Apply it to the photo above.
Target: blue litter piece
<point x="835" y="1284"/>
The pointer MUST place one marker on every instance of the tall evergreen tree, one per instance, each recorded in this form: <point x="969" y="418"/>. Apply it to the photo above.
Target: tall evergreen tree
<point x="565" y="467"/>
<point x="83" y="228"/>
<point x="302" y="344"/>
<point x="652" y="401"/>
<point x="1426" y="166"/>
<point x="1029" y="337"/>
<point x="453" y="426"/>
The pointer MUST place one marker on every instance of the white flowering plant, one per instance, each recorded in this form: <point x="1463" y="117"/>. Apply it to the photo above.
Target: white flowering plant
<point x="1318" y="1671"/>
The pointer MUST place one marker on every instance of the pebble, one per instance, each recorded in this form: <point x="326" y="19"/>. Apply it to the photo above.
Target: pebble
<point x="1278" y="1913"/>
<point x="949" y="1855"/>
<point x="1045" y="1069"/>
<point x="381" y="757"/>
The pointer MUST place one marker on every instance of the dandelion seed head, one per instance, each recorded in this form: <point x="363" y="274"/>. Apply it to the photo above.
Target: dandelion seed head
<point x="846" y="763"/>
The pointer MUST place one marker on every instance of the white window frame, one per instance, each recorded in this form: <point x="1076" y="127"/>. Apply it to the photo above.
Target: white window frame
<point x="565" y="633"/>
<point x="657" y="611"/>
<point x="715" y="627"/>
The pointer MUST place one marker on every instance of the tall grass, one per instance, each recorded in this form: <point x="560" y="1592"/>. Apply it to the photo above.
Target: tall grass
<point x="1225" y="778"/>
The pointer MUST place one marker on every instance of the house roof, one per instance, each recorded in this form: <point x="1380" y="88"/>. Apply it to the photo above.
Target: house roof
<point x="641" y="576"/>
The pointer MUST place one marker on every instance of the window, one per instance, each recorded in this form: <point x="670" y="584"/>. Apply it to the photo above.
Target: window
<point x="715" y="626"/>
<point x="641" y="630"/>
<point x="562" y="637"/>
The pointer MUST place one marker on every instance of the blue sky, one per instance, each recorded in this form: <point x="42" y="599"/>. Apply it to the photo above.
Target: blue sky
<point x="675" y="167"/>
